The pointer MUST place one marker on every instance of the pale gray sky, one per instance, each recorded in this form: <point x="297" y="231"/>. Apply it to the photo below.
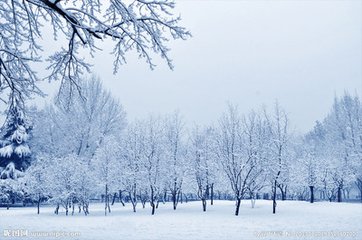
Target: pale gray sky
<point x="248" y="53"/>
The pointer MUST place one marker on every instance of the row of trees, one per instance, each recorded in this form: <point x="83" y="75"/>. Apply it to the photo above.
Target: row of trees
<point x="84" y="149"/>
<point x="332" y="150"/>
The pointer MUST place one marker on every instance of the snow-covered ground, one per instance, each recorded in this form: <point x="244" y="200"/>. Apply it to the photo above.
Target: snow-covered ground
<point x="294" y="220"/>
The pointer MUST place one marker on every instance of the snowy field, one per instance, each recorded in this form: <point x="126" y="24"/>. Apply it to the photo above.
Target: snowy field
<point x="294" y="220"/>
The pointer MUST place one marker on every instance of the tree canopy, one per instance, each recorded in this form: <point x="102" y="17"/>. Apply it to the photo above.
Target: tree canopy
<point x="141" y="25"/>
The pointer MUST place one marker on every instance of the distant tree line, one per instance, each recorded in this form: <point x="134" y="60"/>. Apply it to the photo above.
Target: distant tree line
<point x="83" y="148"/>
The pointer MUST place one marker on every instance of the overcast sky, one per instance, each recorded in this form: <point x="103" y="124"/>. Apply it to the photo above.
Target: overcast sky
<point x="248" y="53"/>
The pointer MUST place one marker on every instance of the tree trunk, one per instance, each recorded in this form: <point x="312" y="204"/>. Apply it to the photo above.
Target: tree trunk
<point x="109" y="206"/>
<point x="133" y="199"/>
<point x="38" y="205"/>
<point x="114" y="198"/>
<point x="238" y="201"/>
<point x="72" y="208"/>
<point x="283" y="191"/>
<point x="339" y="194"/>
<point x="152" y="201"/>
<point x="66" y="207"/>
<point x="56" y="211"/>
<point x="153" y="208"/>
<point x="85" y="209"/>
<point x="174" y="200"/>
<point x="311" y="194"/>
<point x="204" y="205"/>
<point x="253" y="200"/>
<point x="105" y="200"/>
<point x="212" y="194"/>
<point x="164" y="196"/>
<point x="284" y="196"/>
<point x="274" y="196"/>
<point x="121" y="198"/>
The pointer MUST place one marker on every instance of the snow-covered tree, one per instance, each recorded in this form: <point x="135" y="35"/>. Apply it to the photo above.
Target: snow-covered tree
<point x="144" y="26"/>
<point x="80" y="125"/>
<point x="77" y="128"/>
<point x="69" y="182"/>
<point x="11" y="191"/>
<point x="204" y="164"/>
<point x="36" y="179"/>
<point x="338" y="139"/>
<point x="236" y="153"/>
<point x="345" y="133"/>
<point x="14" y="156"/>
<point x="278" y="146"/>
<point x="153" y="158"/>
<point x="84" y="188"/>
<point x="61" y="177"/>
<point x="256" y="145"/>
<point x="134" y="172"/>
<point x="106" y="164"/>
<point x="175" y="156"/>
<point x="14" y="147"/>
<point x="313" y="163"/>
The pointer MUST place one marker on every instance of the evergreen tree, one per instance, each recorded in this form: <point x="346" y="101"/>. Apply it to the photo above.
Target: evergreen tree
<point x="14" y="149"/>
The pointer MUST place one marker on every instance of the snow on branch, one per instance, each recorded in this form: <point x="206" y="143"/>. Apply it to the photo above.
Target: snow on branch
<point x="144" y="26"/>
